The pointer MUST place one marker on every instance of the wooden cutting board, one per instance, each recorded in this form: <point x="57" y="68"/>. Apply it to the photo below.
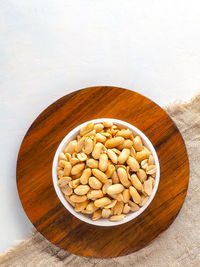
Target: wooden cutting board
<point x="34" y="178"/>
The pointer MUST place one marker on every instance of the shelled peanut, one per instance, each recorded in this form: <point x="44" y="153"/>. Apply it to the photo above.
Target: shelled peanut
<point x="106" y="172"/>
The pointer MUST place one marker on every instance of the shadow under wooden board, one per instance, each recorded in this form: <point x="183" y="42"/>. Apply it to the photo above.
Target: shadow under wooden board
<point x="34" y="178"/>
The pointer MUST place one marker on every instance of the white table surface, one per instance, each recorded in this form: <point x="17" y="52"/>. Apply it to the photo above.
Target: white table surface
<point x="49" y="48"/>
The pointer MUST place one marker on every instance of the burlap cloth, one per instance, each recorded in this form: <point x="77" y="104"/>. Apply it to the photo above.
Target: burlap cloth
<point x="179" y="245"/>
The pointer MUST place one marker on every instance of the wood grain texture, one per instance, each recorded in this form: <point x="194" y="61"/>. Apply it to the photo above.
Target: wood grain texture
<point x="34" y="178"/>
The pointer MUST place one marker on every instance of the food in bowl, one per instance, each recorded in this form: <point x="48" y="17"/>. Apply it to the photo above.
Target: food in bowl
<point x="106" y="171"/>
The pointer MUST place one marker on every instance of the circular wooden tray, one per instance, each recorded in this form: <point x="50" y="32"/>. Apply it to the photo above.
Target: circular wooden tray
<point x="34" y="179"/>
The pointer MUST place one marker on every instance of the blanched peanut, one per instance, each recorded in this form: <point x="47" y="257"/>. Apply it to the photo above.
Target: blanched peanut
<point x="77" y="168"/>
<point x="118" y="197"/>
<point x="124" y="155"/>
<point x="101" y="202"/>
<point x="136" y="182"/>
<point x="117" y="151"/>
<point x="85" y="176"/>
<point x="112" y="156"/>
<point x="95" y="183"/>
<point x="92" y="163"/>
<point x="151" y="160"/>
<point x="91" y="207"/>
<point x="118" y="208"/>
<point x="62" y="163"/>
<point x="123" y="177"/>
<point x="98" y="127"/>
<point x="93" y="194"/>
<point x="106" y="213"/>
<point x="100" y="138"/>
<point x="114" y="142"/>
<point x="70" y="202"/>
<point x="97" y="150"/>
<point x="152" y="180"/>
<point x="87" y="128"/>
<point x="115" y="189"/>
<point x="81" y="190"/>
<point x="74" y="161"/>
<point x="126" y="195"/>
<point x="80" y="144"/>
<point x="91" y="134"/>
<point x="134" y="206"/>
<point x="107" y="124"/>
<point x="64" y="181"/>
<point x="126" y="133"/>
<point x="151" y="169"/>
<point x="106" y="185"/>
<point x="71" y="147"/>
<point x="81" y="206"/>
<point x="144" y="154"/>
<point x="67" y="169"/>
<point x="115" y="178"/>
<point x="134" y="194"/>
<point x="111" y="205"/>
<point x="144" y="163"/>
<point x="137" y="143"/>
<point x="117" y="218"/>
<point x="96" y="215"/>
<point x="143" y="200"/>
<point x="110" y="170"/>
<point x="78" y="199"/>
<point x="126" y="209"/>
<point x="103" y="162"/>
<point x="74" y="183"/>
<point x="82" y="156"/>
<point x="66" y="190"/>
<point x="142" y="175"/>
<point x="62" y="156"/>
<point x="60" y="174"/>
<point x="148" y="187"/>
<point x="126" y="144"/>
<point x="132" y="162"/>
<point x="89" y="145"/>
<point x="100" y="175"/>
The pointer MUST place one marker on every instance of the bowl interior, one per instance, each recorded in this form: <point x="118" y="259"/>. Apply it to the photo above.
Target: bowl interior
<point x="104" y="222"/>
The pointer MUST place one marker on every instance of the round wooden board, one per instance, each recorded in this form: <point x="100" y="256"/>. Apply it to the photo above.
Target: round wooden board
<point x="34" y="178"/>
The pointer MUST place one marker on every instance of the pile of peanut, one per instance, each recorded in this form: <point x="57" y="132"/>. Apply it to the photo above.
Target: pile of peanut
<point x="106" y="172"/>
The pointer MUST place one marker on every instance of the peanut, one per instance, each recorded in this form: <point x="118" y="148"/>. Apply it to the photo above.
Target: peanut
<point x="87" y="128"/>
<point x="134" y="194"/>
<point x="98" y="127"/>
<point x="132" y="162"/>
<point x="106" y="213"/>
<point x="112" y="156"/>
<point x="77" y="168"/>
<point x="136" y="182"/>
<point x="81" y="190"/>
<point x="115" y="189"/>
<point x="114" y="142"/>
<point x="100" y="175"/>
<point x="85" y="176"/>
<point x="117" y="218"/>
<point x="92" y="163"/>
<point x="97" y="150"/>
<point x="122" y="174"/>
<point x="103" y="162"/>
<point x="101" y="202"/>
<point x="95" y="183"/>
<point x="78" y="199"/>
<point x="124" y="156"/>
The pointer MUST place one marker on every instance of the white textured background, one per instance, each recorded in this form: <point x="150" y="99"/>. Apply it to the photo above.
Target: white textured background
<point x="49" y="48"/>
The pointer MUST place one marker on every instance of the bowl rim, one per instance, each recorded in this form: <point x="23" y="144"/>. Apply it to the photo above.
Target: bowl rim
<point x="83" y="217"/>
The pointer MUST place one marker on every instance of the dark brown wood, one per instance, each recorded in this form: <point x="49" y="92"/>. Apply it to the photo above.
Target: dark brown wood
<point x="34" y="179"/>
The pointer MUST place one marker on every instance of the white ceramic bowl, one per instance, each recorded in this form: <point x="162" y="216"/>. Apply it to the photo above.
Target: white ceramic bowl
<point x="104" y="222"/>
